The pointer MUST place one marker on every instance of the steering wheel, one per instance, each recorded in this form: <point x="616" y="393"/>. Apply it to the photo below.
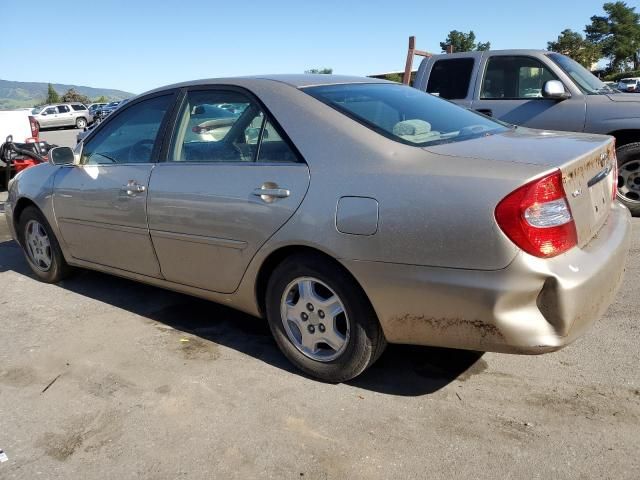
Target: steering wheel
<point x="140" y="151"/>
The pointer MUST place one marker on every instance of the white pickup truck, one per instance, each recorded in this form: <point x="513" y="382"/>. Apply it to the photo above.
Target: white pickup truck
<point x="21" y="126"/>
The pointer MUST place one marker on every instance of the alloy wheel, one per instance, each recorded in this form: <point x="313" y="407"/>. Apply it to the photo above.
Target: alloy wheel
<point x="38" y="245"/>
<point x="629" y="181"/>
<point x="315" y="319"/>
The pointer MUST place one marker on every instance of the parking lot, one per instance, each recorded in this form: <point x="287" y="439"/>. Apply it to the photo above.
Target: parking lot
<point x="102" y="377"/>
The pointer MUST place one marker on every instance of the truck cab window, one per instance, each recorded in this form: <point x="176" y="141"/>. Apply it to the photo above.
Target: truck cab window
<point x="510" y="77"/>
<point x="450" y="78"/>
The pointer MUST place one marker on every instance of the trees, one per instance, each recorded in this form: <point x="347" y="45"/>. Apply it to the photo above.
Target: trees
<point x="101" y="99"/>
<point x="72" y="96"/>
<point x="463" y="42"/>
<point x="325" y="71"/>
<point x="617" y="33"/>
<point x="52" y="95"/>
<point x="573" y="45"/>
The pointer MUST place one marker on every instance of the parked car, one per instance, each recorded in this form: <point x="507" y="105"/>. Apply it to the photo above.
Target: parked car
<point x="631" y="85"/>
<point x="63" y="115"/>
<point x="370" y="213"/>
<point x="104" y="111"/>
<point x="93" y="107"/>
<point x="545" y="90"/>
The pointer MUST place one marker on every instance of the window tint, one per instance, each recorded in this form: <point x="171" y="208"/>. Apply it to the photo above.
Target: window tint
<point x="450" y="78"/>
<point x="63" y="109"/>
<point x="128" y="137"/>
<point x="225" y="126"/>
<point x="587" y="81"/>
<point x="78" y="107"/>
<point x="51" y="111"/>
<point x="514" y="78"/>
<point x="405" y="114"/>
<point x="273" y="147"/>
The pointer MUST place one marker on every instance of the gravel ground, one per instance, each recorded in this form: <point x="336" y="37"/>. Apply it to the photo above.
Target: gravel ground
<point x="103" y="378"/>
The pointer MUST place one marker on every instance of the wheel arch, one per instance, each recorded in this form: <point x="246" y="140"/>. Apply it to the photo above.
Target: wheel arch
<point x="276" y="257"/>
<point x="625" y="137"/>
<point x="21" y="204"/>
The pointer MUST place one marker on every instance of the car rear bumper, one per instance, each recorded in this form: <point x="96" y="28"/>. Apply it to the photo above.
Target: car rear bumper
<point x="532" y="306"/>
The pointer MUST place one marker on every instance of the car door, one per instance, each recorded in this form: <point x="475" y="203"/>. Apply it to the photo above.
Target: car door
<point x="64" y="117"/>
<point x="100" y="204"/>
<point x="48" y="117"/>
<point x="511" y="90"/>
<point x="231" y="179"/>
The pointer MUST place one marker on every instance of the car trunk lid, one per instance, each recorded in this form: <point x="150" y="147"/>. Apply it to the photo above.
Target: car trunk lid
<point x="587" y="164"/>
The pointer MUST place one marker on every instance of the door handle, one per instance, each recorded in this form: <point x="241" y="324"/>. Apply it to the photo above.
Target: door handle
<point x="133" y="188"/>
<point x="485" y="111"/>
<point x="271" y="193"/>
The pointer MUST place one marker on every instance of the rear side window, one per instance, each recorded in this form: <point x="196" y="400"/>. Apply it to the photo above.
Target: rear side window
<point x="450" y="78"/>
<point x="405" y="114"/>
<point x="78" y="107"/>
<point x="226" y="126"/>
<point x="63" y="109"/>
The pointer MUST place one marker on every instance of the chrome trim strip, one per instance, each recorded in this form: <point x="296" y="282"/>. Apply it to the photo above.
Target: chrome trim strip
<point x="106" y="226"/>
<point x="215" y="241"/>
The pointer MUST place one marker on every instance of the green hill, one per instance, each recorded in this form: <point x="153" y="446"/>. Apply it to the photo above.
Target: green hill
<point x="27" y="94"/>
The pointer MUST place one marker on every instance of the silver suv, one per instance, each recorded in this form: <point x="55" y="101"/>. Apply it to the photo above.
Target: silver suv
<point x="63" y="115"/>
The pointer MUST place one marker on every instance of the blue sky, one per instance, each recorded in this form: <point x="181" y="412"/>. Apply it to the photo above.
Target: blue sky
<point x="137" y="45"/>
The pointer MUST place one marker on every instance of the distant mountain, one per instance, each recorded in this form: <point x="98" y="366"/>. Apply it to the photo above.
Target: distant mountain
<point x="27" y="94"/>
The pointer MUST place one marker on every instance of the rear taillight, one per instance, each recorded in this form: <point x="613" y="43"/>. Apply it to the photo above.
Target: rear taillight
<point x="35" y="129"/>
<point x="537" y="218"/>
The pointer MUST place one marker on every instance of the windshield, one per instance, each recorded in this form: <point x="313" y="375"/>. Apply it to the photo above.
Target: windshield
<point x="628" y="80"/>
<point x="37" y="110"/>
<point x="405" y="114"/>
<point x="586" y="81"/>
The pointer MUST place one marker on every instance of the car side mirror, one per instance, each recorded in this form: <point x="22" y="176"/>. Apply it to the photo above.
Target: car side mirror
<point x="44" y="114"/>
<point x="61" y="156"/>
<point x="554" y="90"/>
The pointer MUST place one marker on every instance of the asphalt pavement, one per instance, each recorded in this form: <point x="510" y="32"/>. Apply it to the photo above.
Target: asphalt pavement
<point x="103" y="378"/>
<point x="63" y="137"/>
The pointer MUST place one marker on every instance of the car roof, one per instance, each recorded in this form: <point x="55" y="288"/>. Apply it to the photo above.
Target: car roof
<point x="294" y="80"/>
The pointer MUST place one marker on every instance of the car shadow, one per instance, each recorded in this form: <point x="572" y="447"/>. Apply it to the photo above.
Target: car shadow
<point x="402" y="370"/>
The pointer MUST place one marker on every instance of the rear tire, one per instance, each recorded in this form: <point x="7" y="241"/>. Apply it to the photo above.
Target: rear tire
<point x="41" y="248"/>
<point x="629" y="177"/>
<point x="81" y="123"/>
<point x="354" y="337"/>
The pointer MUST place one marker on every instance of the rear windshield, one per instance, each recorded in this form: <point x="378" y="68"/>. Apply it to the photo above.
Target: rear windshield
<point x="405" y="114"/>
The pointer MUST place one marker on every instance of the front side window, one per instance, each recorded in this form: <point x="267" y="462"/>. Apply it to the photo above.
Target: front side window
<point x="586" y="81"/>
<point x="51" y="111"/>
<point x="130" y="136"/>
<point x="405" y="114"/>
<point x="511" y="77"/>
<point x="226" y="126"/>
<point x="450" y="78"/>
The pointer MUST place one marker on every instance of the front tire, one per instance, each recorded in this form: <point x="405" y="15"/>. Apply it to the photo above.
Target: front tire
<point x="41" y="247"/>
<point x="629" y="177"/>
<point x="322" y="320"/>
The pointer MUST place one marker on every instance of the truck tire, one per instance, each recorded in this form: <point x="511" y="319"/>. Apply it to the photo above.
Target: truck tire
<point x="629" y="176"/>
